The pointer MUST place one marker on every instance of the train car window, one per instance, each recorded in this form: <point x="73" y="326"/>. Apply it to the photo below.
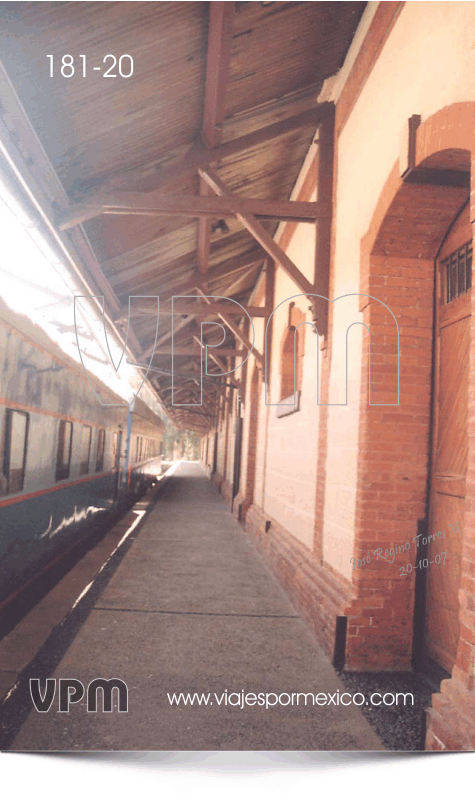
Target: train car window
<point x="137" y="449"/>
<point x="63" y="455"/>
<point x="86" y="435"/>
<point x="14" y="451"/>
<point x="101" y="441"/>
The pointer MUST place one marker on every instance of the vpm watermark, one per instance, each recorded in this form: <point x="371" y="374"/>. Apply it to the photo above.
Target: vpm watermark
<point x="72" y="691"/>
<point x="394" y="329"/>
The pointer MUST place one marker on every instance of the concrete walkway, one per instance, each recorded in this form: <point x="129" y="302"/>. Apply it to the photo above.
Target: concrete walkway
<point x="193" y="608"/>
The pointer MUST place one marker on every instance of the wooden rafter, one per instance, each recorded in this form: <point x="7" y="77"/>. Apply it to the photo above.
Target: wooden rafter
<point x="221" y="16"/>
<point x="261" y="235"/>
<point x="236" y="330"/>
<point x="217" y="360"/>
<point x="190" y="308"/>
<point x="323" y="237"/>
<point x="236" y="266"/>
<point x="148" y="351"/>
<point x="220" y="33"/>
<point x="196" y="352"/>
<point x="200" y="157"/>
<point x="203" y="247"/>
<point x="207" y="207"/>
<point x="240" y="263"/>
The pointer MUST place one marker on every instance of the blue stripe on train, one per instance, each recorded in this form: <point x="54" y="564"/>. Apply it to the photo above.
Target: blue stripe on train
<point x="37" y="528"/>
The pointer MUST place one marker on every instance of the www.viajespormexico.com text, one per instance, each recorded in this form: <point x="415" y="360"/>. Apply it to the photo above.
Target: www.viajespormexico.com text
<point x="242" y="699"/>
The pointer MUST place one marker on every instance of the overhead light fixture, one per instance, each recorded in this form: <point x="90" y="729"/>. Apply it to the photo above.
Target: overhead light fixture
<point x="221" y="225"/>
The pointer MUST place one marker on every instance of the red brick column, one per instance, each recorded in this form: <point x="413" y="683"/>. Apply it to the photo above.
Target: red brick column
<point x="393" y="460"/>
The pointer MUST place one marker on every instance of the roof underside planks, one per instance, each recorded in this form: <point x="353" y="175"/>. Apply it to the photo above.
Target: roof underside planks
<point x="228" y="85"/>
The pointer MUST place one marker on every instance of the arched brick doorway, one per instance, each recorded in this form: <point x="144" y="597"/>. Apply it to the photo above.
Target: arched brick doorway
<point x="394" y="504"/>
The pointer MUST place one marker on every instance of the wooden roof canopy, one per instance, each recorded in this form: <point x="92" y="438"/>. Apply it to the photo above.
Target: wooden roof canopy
<point x="173" y="181"/>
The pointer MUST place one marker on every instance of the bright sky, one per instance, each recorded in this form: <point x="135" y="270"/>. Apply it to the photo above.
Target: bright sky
<point x="35" y="283"/>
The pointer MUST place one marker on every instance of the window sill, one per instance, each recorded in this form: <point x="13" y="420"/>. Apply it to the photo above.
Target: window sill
<point x="288" y="406"/>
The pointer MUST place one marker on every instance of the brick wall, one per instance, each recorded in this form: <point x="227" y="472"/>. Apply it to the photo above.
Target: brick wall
<point x="397" y="258"/>
<point x="397" y="268"/>
<point x="316" y="591"/>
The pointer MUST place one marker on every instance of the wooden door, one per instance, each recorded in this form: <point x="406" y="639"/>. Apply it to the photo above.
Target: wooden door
<point x="450" y="446"/>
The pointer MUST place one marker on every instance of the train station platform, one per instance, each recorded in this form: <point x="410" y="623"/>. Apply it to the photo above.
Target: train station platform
<point x="190" y="608"/>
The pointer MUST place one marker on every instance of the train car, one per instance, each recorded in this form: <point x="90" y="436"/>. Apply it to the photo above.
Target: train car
<point x="65" y="471"/>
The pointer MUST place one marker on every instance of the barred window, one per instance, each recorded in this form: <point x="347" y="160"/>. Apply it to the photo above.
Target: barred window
<point x="457" y="273"/>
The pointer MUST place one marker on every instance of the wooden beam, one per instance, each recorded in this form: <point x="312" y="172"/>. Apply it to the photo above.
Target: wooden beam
<point x="249" y="260"/>
<point x="323" y="232"/>
<point x="185" y="322"/>
<point x="235" y="329"/>
<point x="186" y="412"/>
<point x="194" y="309"/>
<point x="192" y="392"/>
<point x="269" y="322"/>
<point x="234" y="266"/>
<point x="161" y="340"/>
<point x="209" y="390"/>
<point x="178" y="392"/>
<point x="220" y="37"/>
<point x="212" y="354"/>
<point x="190" y="206"/>
<point x="210" y="378"/>
<point x="221" y="17"/>
<point x="196" y="352"/>
<point x="241" y="263"/>
<point x="261" y="235"/>
<point x="203" y="247"/>
<point x="198" y="157"/>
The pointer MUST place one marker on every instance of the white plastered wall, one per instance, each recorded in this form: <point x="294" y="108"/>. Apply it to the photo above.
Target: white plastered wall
<point x="292" y="448"/>
<point x="428" y="62"/>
